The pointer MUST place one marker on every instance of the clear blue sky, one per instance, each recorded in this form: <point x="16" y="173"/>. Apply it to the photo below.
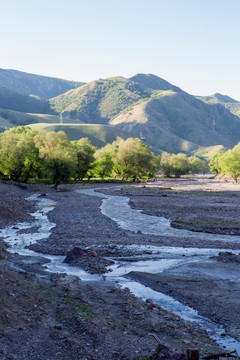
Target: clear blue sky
<point x="193" y="44"/>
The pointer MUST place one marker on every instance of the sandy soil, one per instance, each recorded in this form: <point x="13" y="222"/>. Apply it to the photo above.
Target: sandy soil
<point x="62" y="317"/>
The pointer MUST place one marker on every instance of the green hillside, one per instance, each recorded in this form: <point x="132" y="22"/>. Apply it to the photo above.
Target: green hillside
<point x="207" y="152"/>
<point x="232" y="105"/>
<point x="30" y="84"/>
<point x="99" y="101"/>
<point x="11" y="118"/>
<point x="99" y="135"/>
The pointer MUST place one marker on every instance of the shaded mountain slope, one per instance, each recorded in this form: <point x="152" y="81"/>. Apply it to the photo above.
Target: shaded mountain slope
<point x="20" y="102"/>
<point x="179" y="122"/>
<point x="43" y="86"/>
<point x="232" y="105"/>
<point x="154" y="82"/>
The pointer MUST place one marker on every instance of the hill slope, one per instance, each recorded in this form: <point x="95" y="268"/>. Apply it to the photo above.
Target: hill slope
<point x="10" y="118"/>
<point x="30" y="84"/>
<point x="100" y="100"/>
<point x="100" y="135"/>
<point x="232" y="105"/>
<point x="154" y="82"/>
<point x="20" y="102"/>
<point x="176" y="121"/>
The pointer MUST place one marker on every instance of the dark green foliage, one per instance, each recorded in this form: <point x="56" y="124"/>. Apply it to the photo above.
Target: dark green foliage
<point x="85" y="157"/>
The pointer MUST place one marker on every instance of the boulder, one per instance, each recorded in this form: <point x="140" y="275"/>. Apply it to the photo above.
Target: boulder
<point x="74" y="254"/>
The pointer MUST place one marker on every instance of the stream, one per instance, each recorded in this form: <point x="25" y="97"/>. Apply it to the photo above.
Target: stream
<point x="157" y="259"/>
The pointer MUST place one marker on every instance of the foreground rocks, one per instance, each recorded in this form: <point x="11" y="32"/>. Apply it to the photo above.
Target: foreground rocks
<point x="88" y="260"/>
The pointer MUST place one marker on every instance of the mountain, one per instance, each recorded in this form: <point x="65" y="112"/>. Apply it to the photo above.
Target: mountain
<point x="12" y="100"/>
<point x="177" y="121"/>
<point x="154" y="82"/>
<point x="147" y="106"/>
<point x="30" y="84"/>
<point x="100" y="100"/>
<point x="232" y="105"/>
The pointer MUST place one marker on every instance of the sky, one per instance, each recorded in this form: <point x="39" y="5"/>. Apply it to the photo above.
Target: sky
<point x="193" y="44"/>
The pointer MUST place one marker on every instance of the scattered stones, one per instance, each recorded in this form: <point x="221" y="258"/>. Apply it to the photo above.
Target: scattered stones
<point x="227" y="256"/>
<point x="87" y="259"/>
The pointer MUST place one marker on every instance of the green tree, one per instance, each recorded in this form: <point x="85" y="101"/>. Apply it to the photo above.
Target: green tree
<point x="19" y="157"/>
<point x="166" y="166"/>
<point x="133" y="159"/>
<point x="175" y="164"/>
<point x="214" y="163"/>
<point x="58" y="155"/>
<point x="195" y="164"/>
<point x="230" y="162"/>
<point x="103" y="164"/>
<point x="85" y="157"/>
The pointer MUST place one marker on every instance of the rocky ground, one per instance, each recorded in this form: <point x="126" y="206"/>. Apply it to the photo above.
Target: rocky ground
<point x="54" y="316"/>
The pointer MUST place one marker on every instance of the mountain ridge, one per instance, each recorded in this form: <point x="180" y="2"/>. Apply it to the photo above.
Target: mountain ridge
<point x="42" y="86"/>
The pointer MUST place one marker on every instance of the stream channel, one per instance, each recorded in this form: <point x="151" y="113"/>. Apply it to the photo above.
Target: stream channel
<point x="157" y="260"/>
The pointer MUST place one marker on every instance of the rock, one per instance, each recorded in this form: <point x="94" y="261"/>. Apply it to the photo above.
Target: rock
<point x="74" y="254"/>
<point x="193" y="354"/>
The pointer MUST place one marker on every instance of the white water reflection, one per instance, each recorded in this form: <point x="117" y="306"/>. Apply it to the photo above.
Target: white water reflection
<point x="215" y="331"/>
<point x="18" y="240"/>
<point x="118" y="209"/>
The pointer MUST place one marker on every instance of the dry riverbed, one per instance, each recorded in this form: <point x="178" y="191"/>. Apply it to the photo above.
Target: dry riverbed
<point x="57" y="316"/>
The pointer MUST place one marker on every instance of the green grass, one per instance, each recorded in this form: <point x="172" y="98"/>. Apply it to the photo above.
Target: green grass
<point x="207" y="152"/>
<point x="99" y="135"/>
<point x="11" y="118"/>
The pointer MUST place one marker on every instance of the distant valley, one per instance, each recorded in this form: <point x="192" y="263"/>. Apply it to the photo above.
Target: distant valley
<point x="146" y="106"/>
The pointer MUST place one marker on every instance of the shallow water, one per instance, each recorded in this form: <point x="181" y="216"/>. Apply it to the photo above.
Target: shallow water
<point x="118" y="209"/>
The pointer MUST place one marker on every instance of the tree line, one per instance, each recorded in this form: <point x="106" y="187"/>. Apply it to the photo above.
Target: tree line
<point x="26" y="153"/>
